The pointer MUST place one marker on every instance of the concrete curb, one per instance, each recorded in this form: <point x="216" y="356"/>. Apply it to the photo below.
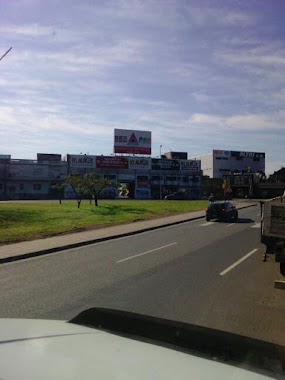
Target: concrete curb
<point x="98" y="240"/>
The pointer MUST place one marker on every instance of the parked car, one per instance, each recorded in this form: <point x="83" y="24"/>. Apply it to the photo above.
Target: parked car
<point x="224" y="211"/>
<point x="179" y="195"/>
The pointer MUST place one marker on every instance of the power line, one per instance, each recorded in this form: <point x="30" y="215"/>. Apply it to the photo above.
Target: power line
<point x="5" y="53"/>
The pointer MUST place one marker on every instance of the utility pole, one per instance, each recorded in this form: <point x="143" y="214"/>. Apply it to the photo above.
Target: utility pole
<point x="5" y="53"/>
<point x="5" y="162"/>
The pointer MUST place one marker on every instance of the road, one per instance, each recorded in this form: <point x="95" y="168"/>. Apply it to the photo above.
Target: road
<point x="206" y="273"/>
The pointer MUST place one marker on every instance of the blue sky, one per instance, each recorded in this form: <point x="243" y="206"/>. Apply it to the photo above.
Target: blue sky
<point x="200" y="75"/>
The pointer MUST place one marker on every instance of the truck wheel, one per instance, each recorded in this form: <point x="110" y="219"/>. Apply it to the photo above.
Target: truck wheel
<point x="282" y="269"/>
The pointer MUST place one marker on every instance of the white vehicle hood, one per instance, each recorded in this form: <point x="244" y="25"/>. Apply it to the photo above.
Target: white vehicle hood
<point x="43" y="349"/>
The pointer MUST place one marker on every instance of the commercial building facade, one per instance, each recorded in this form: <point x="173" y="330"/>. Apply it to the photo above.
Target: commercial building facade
<point x="225" y="162"/>
<point x="146" y="177"/>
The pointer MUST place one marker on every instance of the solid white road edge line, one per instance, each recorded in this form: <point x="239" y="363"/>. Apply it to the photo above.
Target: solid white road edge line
<point x="145" y="253"/>
<point x="238" y="262"/>
<point x="232" y="224"/>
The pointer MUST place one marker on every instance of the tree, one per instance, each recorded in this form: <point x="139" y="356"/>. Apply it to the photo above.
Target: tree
<point x="94" y="185"/>
<point x="78" y="185"/>
<point x="58" y="188"/>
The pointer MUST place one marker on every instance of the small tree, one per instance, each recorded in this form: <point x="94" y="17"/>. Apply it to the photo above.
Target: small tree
<point x="94" y="185"/>
<point x="59" y="190"/>
<point x="78" y="185"/>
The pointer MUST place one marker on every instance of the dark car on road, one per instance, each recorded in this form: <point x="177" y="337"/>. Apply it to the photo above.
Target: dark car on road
<point x="224" y="211"/>
<point x="178" y="196"/>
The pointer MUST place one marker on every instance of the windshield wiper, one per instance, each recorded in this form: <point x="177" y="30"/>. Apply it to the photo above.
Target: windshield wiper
<point x="241" y="351"/>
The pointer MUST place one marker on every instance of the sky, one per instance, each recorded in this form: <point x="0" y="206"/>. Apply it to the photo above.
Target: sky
<point x="199" y="74"/>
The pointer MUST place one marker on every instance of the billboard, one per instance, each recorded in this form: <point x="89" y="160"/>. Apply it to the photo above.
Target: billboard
<point x="132" y="142"/>
<point x="139" y="163"/>
<point x="48" y="157"/>
<point x="81" y="161"/>
<point x="164" y="164"/>
<point x="190" y="165"/>
<point x="110" y="162"/>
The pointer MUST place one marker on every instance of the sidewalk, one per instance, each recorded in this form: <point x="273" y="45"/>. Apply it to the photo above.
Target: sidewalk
<point x="27" y="249"/>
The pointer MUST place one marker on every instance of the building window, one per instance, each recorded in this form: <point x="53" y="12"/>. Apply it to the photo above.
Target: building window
<point x="1" y="186"/>
<point x="21" y="186"/>
<point x="185" y="179"/>
<point x="37" y="186"/>
<point x="12" y="189"/>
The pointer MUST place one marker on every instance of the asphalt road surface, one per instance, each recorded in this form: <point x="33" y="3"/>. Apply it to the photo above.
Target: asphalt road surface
<point x="206" y="273"/>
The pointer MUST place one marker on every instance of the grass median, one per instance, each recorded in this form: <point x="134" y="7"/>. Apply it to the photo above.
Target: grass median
<point x="28" y="221"/>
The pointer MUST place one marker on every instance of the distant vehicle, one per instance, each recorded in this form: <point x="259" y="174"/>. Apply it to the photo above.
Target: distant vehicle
<point x="224" y="211"/>
<point x="178" y="196"/>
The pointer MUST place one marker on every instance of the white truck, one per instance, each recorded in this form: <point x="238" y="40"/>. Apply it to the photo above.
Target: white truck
<point x="273" y="228"/>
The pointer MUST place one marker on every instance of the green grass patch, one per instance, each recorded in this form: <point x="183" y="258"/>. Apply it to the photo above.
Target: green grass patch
<point x="27" y="221"/>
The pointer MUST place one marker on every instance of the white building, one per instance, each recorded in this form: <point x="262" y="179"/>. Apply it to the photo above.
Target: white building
<point x="223" y="162"/>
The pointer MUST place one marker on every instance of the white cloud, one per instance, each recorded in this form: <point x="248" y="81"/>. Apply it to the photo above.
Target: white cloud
<point x="207" y="16"/>
<point x="31" y="30"/>
<point x="80" y="59"/>
<point x="252" y="57"/>
<point x="250" y="123"/>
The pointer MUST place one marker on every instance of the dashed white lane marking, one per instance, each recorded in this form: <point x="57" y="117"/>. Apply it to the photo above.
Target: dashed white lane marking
<point x="232" y="224"/>
<point x="256" y="225"/>
<point x="238" y="262"/>
<point x="145" y="253"/>
<point x="206" y="224"/>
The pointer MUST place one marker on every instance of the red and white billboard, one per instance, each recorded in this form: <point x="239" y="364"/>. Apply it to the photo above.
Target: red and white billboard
<point x="132" y="142"/>
<point x="109" y="162"/>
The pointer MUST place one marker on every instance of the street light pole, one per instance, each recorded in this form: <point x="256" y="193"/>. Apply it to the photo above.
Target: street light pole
<point x="160" y="187"/>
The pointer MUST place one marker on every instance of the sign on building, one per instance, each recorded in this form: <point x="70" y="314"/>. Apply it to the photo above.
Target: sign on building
<point x="190" y="165"/>
<point x="132" y="142"/>
<point x="110" y="162"/>
<point x="5" y="157"/>
<point x="232" y="153"/>
<point x="164" y="164"/>
<point x="81" y="161"/>
<point x="139" y="163"/>
<point x="143" y="190"/>
<point x="222" y="153"/>
<point x="248" y="154"/>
